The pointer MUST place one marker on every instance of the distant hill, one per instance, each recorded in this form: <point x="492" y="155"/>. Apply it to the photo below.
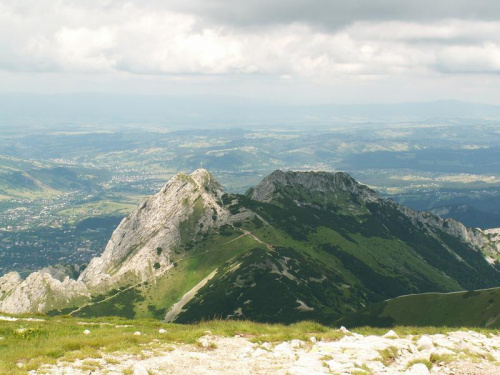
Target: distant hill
<point x="462" y="309"/>
<point x="20" y="180"/>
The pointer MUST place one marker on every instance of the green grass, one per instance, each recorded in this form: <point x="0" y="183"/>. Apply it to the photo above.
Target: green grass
<point x="197" y="264"/>
<point x="426" y="362"/>
<point x="473" y="308"/>
<point x="154" y="298"/>
<point x="61" y="338"/>
<point x="34" y="343"/>
<point x="104" y="207"/>
<point x="389" y="355"/>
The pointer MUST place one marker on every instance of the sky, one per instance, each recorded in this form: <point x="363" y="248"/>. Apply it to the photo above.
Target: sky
<point x="293" y="51"/>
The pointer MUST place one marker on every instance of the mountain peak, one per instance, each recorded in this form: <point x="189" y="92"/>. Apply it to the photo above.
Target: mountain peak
<point x="200" y="178"/>
<point x="132" y="252"/>
<point x="205" y="179"/>
<point x="324" y="182"/>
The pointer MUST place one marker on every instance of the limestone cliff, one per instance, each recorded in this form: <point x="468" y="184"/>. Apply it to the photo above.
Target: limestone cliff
<point x="141" y="246"/>
<point x="40" y="292"/>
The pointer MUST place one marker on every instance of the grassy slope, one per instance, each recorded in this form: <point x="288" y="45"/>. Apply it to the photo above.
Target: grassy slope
<point x="152" y="299"/>
<point x="473" y="308"/>
<point x="362" y="258"/>
<point x="332" y="256"/>
<point x="384" y="241"/>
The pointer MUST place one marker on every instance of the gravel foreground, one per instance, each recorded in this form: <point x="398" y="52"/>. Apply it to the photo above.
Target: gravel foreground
<point x="460" y="352"/>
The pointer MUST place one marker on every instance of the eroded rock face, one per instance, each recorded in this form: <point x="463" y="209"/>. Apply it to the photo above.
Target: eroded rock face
<point x="476" y="238"/>
<point x="40" y="292"/>
<point x="8" y="283"/>
<point x="142" y="244"/>
<point x="313" y="181"/>
<point x="493" y="236"/>
<point x="139" y="248"/>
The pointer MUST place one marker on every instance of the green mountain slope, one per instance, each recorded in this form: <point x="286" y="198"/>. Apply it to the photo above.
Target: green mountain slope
<point x="462" y="309"/>
<point x="300" y="245"/>
<point x="336" y="247"/>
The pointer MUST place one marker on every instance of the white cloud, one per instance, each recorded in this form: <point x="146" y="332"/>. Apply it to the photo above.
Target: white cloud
<point x="116" y="38"/>
<point x="484" y="58"/>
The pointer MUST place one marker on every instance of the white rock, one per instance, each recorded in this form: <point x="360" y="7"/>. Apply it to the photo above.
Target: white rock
<point x="259" y="352"/>
<point x="425" y="343"/>
<point x="313" y="339"/>
<point x="140" y="369"/>
<point x="162" y="331"/>
<point x="296" y="344"/>
<point x="137" y="333"/>
<point x="247" y="351"/>
<point x="308" y="364"/>
<point x="37" y="292"/>
<point x="267" y="346"/>
<point x="442" y="352"/>
<point x="338" y="367"/>
<point x="343" y="330"/>
<point x="296" y="370"/>
<point x="86" y="332"/>
<point x="205" y="342"/>
<point x="391" y="335"/>
<point x="417" y="369"/>
<point x="468" y="347"/>
<point x="284" y="350"/>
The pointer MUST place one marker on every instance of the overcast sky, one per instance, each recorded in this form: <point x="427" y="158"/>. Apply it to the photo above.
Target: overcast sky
<point x="300" y="51"/>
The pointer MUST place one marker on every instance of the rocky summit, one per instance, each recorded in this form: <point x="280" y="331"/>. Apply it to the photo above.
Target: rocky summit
<point x="299" y="245"/>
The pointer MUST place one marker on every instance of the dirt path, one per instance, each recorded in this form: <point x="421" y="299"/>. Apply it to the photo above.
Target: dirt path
<point x="177" y="307"/>
<point x="248" y="233"/>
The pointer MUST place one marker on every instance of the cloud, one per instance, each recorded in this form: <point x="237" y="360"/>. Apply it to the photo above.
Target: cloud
<point x="320" y="41"/>
<point x="334" y="14"/>
<point x="470" y="59"/>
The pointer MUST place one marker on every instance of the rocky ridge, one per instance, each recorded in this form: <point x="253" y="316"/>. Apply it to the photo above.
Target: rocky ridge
<point x="324" y="182"/>
<point x="141" y="246"/>
<point x="493" y="236"/>
<point x="39" y="292"/>
<point x="187" y="207"/>
<point x="340" y="183"/>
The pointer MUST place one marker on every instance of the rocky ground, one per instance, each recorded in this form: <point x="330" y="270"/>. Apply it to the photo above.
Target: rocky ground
<point x="460" y="352"/>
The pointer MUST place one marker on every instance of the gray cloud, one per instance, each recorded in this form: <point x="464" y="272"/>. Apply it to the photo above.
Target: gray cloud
<point x="295" y="42"/>
<point x="372" y="38"/>
<point x="334" y="14"/>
